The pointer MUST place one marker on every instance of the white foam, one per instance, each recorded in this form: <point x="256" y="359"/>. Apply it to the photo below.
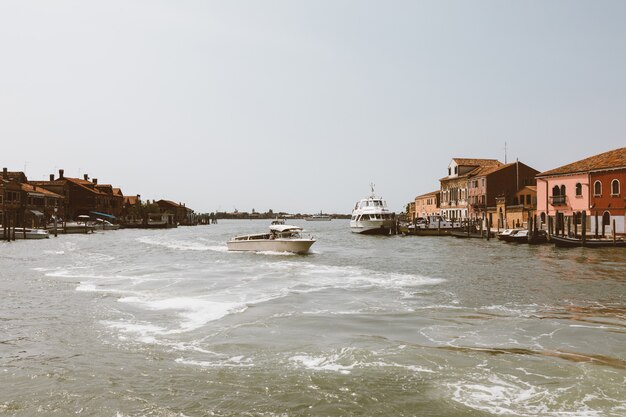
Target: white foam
<point x="234" y="362"/>
<point x="174" y="244"/>
<point x="195" y="312"/>
<point x="322" y="363"/>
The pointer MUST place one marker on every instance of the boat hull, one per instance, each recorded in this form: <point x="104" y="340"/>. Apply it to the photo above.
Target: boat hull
<point x="372" y="227"/>
<point x="569" y="242"/>
<point x="30" y="234"/>
<point x="271" y="245"/>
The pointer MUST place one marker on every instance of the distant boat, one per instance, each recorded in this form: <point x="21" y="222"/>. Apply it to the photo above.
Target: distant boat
<point x="371" y="216"/>
<point x="281" y="238"/>
<point x="318" y="218"/>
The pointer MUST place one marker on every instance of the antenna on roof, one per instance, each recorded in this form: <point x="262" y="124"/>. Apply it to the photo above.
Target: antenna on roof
<point x="372" y="187"/>
<point x="505" y="152"/>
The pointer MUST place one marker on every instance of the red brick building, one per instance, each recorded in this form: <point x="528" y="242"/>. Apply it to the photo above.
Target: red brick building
<point x="81" y="195"/>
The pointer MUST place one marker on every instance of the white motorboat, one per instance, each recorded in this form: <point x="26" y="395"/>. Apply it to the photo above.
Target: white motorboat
<point x="71" y="228"/>
<point x="318" y="218"/>
<point x="281" y="238"/>
<point x="371" y="216"/>
<point x="101" y="224"/>
<point x="25" y="233"/>
<point x="507" y="234"/>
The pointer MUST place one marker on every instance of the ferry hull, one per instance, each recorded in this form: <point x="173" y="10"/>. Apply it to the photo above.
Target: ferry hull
<point x="372" y="227"/>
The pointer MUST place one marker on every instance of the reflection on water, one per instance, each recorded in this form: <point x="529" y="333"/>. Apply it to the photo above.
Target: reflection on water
<point x="169" y="323"/>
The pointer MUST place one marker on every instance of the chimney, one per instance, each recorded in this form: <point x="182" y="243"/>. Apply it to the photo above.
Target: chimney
<point x="5" y="173"/>
<point x="51" y="177"/>
<point x="61" y="174"/>
<point x="86" y="177"/>
<point x="95" y="181"/>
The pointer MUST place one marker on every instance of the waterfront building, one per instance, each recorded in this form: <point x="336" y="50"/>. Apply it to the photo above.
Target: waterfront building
<point x="513" y="211"/>
<point x="490" y="187"/>
<point x="592" y="185"/>
<point x="82" y="197"/>
<point x="427" y="204"/>
<point x="454" y="187"/>
<point x="24" y="204"/>
<point x="182" y="215"/>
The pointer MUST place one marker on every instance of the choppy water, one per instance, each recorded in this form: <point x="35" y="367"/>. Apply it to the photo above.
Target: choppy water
<point x="168" y="323"/>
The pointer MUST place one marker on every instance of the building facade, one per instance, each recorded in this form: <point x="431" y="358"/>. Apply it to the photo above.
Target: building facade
<point x="427" y="204"/>
<point x="585" y="186"/>
<point x="455" y="187"/>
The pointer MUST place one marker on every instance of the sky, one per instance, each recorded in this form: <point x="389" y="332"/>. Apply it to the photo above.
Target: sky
<point x="298" y="106"/>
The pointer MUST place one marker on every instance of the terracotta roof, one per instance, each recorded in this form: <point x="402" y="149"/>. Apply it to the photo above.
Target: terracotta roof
<point x="170" y="203"/>
<point x="475" y="162"/>
<point x="607" y="160"/>
<point x="488" y="169"/>
<point x="118" y="192"/>
<point x="428" y="194"/>
<point x="29" y="188"/>
<point x="131" y="199"/>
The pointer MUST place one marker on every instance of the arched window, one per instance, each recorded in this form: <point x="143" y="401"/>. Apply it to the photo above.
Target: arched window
<point x="606" y="219"/>
<point x="562" y="190"/>
<point x="615" y="187"/>
<point x="556" y="191"/>
<point x="597" y="188"/>
<point x="579" y="189"/>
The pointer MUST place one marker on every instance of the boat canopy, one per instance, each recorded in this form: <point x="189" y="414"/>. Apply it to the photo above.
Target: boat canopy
<point x="109" y="216"/>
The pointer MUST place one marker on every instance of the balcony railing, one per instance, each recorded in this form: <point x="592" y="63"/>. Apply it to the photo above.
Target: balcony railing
<point x="557" y="200"/>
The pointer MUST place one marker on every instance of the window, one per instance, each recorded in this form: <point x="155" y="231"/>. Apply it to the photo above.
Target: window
<point x="449" y="171"/>
<point x="456" y="170"/>
<point x="597" y="188"/>
<point x="606" y="219"/>
<point x="556" y="191"/>
<point x="615" y="187"/>
<point x="579" y="189"/>
<point x="562" y="190"/>
<point x="528" y="201"/>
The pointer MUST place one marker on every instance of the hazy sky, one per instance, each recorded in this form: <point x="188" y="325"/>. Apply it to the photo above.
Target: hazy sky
<point x="299" y="105"/>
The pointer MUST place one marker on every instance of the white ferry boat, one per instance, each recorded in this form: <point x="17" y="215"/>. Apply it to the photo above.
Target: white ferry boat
<point x="318" y="218"/>
<point x="371" y="216"/>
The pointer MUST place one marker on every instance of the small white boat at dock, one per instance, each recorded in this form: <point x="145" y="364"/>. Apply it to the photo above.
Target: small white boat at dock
<point x="281" y="238"/>
<point x="25" y="233"/>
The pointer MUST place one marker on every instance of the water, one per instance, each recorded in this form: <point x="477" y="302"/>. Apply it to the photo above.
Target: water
<point x="168" y="323"/>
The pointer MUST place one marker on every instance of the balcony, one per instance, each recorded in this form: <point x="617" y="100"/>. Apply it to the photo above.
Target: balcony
<point x="557" y="200"/>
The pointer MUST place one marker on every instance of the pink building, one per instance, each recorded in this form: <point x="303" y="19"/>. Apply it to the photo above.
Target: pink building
<point x="568" y="189"/>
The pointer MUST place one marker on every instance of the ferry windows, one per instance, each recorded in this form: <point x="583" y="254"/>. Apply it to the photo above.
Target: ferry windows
<point x="456" y="170"/>
<point x="449" y="171"/>
<point x="597" y="189"/>
<point x="579" y="189"/>
<point x="615" y="188"/>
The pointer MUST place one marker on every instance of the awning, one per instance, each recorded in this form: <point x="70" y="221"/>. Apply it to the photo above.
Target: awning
<point x="37" y="213"/>
<point x="110" y="216"/>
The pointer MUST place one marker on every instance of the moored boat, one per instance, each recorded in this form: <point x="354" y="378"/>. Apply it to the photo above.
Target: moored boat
<point x="506" y="234"/>
<point x="572" y="242"/>
<point x="431" y="226"/>
<point x="281" y="238"/>
<point x="372" y="216"/>
<point x="25" y="233"/>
